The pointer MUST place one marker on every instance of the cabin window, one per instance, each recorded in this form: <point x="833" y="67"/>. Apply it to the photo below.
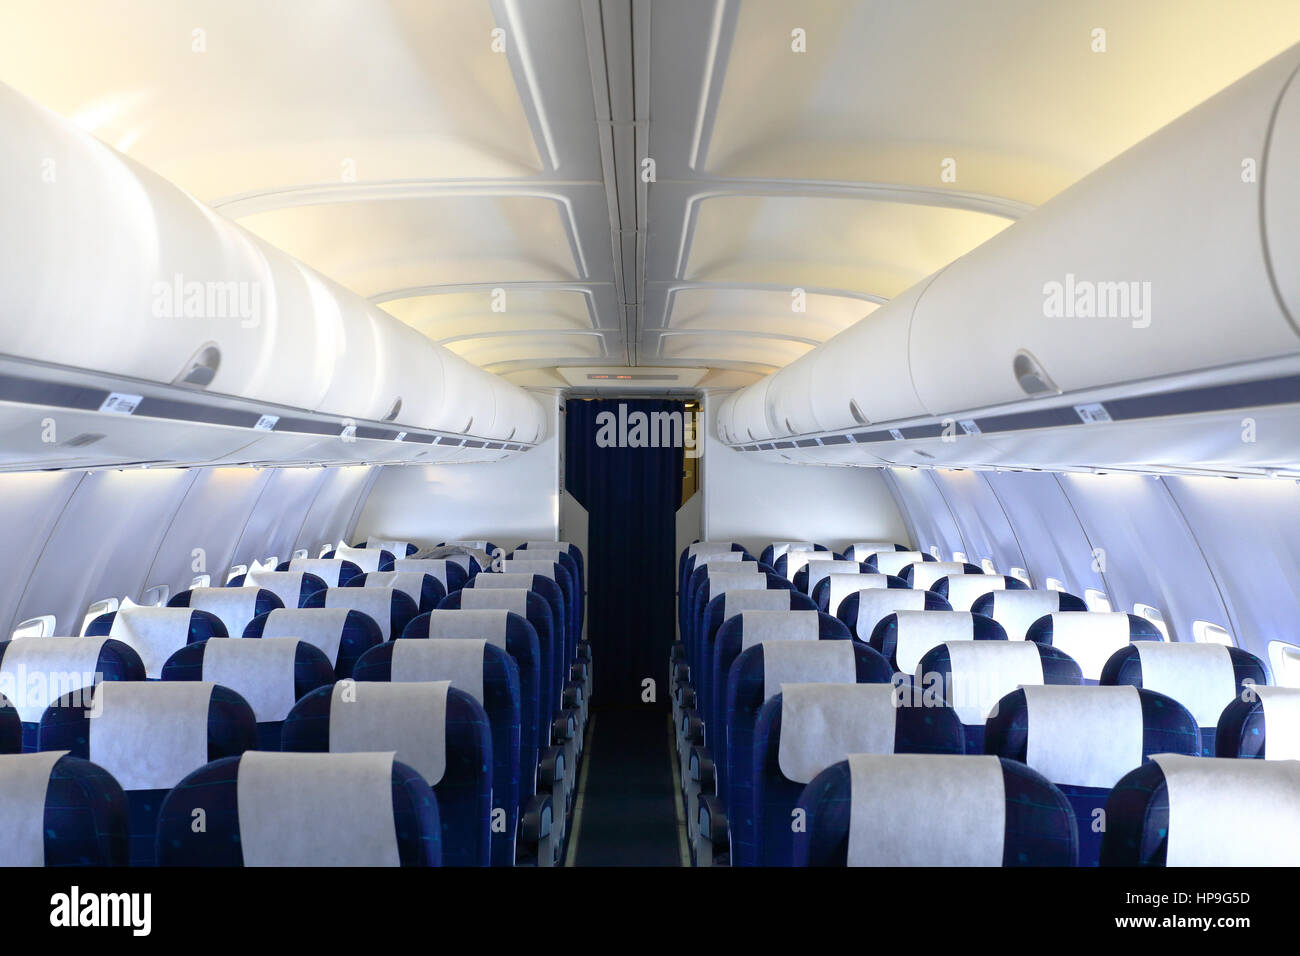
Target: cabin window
<point x="155" y="596"/>
<point x="959" y="556"/>
<point x="1207" y="633"/>
<point x="1285" y="659"/>
<point x="325" y="549"/>
<point x="1152" y="614"/>
<point x="1096" y="600"/>
<point x="40" y="626"/>
<point x="235" y="571"/>
<point x="934" y="552"/>
<point x="300" y="553"/>
<point x="201" y="581"/>
<point x="1020" y="574"/>
<point x="988" y="566"/>
<point x="1055" y="584"/>
<point x="271" y="563"/>
<point x="97" y="608"/>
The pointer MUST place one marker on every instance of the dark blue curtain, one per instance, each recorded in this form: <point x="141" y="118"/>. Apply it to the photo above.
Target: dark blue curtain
<point x="631" y="495"/>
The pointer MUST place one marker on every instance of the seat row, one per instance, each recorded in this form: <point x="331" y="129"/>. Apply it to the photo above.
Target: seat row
<point x="772" y="695"/>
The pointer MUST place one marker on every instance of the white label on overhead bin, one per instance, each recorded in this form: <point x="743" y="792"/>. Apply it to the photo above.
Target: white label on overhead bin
<point x="1093" y="413"/>
<point x="266" y="423"/>
<point x="969" y="427"/>
<point x="121" y="403"/>
<point x="401" y="436"/>
<point x="898" y="436"/>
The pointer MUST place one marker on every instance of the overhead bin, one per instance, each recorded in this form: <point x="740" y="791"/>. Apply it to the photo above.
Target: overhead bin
<point x="105" y="266"/>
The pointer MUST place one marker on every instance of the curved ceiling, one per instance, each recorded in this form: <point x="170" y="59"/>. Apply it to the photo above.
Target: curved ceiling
<point x="477" y="167"/>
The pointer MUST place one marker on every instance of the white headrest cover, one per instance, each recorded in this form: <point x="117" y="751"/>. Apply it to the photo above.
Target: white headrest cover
<point x="455" y="659"/>
<point x="473" y="545"/>
<point x="554" y="545"/>
<point x="286" y="585"/>
<point x="842" y="585"/>
<point x="37" y="671"/>
<point x="24" y="780"/>
<point x="367" y="559"/>
<point x="705" y="548"/>
<point x="817" y="570"/>
<point x="435" y="566"/>
<point x="1083" y="736"/>
<point x="963" y="589"/>
<point x="320" y="627"/>
<point x="376" y="602"/>
<point x="926" y="810"/>
<point x="861" y="549"/>
<point x="918" y="631"/>
<point x="410" y="583"/>
<point x="310" y="809"/>
<point x="1090" y="637"/>
<point x="1281" y="722"/>
<point x="150" y="734"/>
<point x="1230" y="812"/>
<point x="925" y="573"/>
<point x="396" y="548"/>
<point x="519" y="580"/>
<point x="235" y="606"/>
<point x="892" y="562"/>
<point x="876" y="605"/>
<point x="759" y="626"/>
<point x="724" y="557"/>
<point x="1198" y="676"/>
<point x="514" y="600"/>
<point x="486" y="624"/>
<point x="724" y="581"/>
<point x="821" y="724"/>
<point x="409" y="719"/>
<point x="547" y="569"/>
<point x="326" y="570"/>
<point x="261" y="672"/>
<point x="737" y="600"/>
<point x="794" y="560"/>
<point x="1017" y="610"/>
<point x="785" y="547"/>
<point x="807" y="662"/>
<point x="154" y="633"/>
<point x="983" y="672"/>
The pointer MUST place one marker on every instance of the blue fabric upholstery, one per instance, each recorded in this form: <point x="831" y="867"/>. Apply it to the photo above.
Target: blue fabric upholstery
<point x="386" y="559"/>
<point x="116" y="661"/>
<point x="264" y="602"/>
<point x="1139" y="629"/>
<point x="402" y="609"/>
<point x="851" y="554"/>
<point x="967" y="568"/>
<point x="232" y="729"/>
<point x="822" y="591"/>
<point x="1009" y="583"/>
<point x="769" y="556"/>
<point x="431" y="591"/>
<point x="567" y="613"/>
<point x="884" y="638"/>
<point x="1242" y="730"/>
<point x="987" y="605"/>
<point x="11" y="728"/>
<point x="1167" y="727"/>
<point x="308" y="585"/>
<point x="464" y="794"/>
<point x="800" y="580"/>
<point x="574" y="593"/>
<point x="407" y="551"/>
<point x="202" y="626"/>
<point x="686" y="566"/>
<point x="360" y="633"/>
<point x="347" y="570"/>
<point x="85" y="815"/>
<point x="311" y="669"/>
<point x="848" y="610"/>
<point x="449" y="574"/>
<point x="214" y="789"/>
<point x="917" y="730"/>
<point x="873" y="568"/>
<point x="1039" y="823"/>
<point x="702" y="594"/>
<point x="1125" y="667"/>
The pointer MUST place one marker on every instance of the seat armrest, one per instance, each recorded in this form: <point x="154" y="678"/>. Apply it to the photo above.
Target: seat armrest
<point x="712" y="847"/>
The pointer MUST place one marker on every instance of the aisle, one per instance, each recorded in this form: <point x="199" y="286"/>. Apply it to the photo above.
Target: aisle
<point x="627" y="810"/>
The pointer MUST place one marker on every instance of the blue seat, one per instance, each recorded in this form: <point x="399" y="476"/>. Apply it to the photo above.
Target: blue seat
<point x="568" y="610"/>
<point x="367" y="559"/>
<point x="697" y="552"/>
<point x="297" y="809"/>
<point x="972" y="676"/>
<point x="390" y="608"/>
<point x="234" y="606"/>
<point x="1204" y="811"/>
<point x="815" y="571"/>
<point x="1204" y="678"/>
<point x="899" y="810"/>
<point x="829" y="593"/>
<point x="921" y="574"/>
<point x="155" y="633"/>
<point x="291" y="587"/>
<point x="904" y="637"/>
<point x="1084" y="739"/>
<point x="149" y="735"/>
<point x="342" y="635"/>
<point x="398" y="549"/>
<point x="61" y="810"/>
<point x="435" y="728"/>
<point x="575" y="597"/>
<point x="707" y="581"/>
<point x="861" y="611"/>
<point x="1091" y="638"/>
<point x="335" y="573"/>
<point x="1263" y="725"/>
<point x="861" y="550"/>
<point x="271" y="674"/>
<point x="961" y="591"/>
<point x="424" y="589"/>
<point x="792" y="561"/>
<point x="449" y="574"/>
<point x="887" y="562"/>
<point x="11" y="728"/>
<point x="778" y="549"/>
<point x="807" y="727"/>
<point x="1017" y="610"/>
<point x="37" y="671"/>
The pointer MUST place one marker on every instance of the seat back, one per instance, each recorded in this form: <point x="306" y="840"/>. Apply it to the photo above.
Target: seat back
<point x="1084" y="739"/>
<point x="829" y="593"/>
<point x="1262" y="723"/>
<point x="156" y="632"/>
<point x="1016" y="610"/>
<point x="367" y="559"/>
<point x="335" y="573"/>
<point x="390" y="608"/>
<point x="922" y="574"/>
<point x="1093" y="637"/>
<point x="961" y="591"/>
<point x="398" y="549"/>
<point x="438" y="730"/>
<point x="815" y="571"/>
<point x="904" y="637"/>
<point x="536" y="599"/>
<point x="291" y="587"/>
<point x="61" y="810"/>
<point x="861" y="550"/>
<point x="777" y="549"/>
<point x="893" y="562"/>
<point x="449" y="574"/>
<point x="424" y="589"/>
<point x="861" y="611"/>
<point x="234" y="606"/>
<point x="301" y="809"/>
<point x="342" y="635"/>
<point x="934" y="810"/>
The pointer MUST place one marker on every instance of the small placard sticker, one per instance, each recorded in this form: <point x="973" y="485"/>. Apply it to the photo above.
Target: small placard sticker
<point x="266" y="423"/>
<point x="121" y="403"/>
<point x="401" y="436"/>
<point x="1089" y="414"/>
<point x="969" y="427"/>
<point x="898" y="436"/>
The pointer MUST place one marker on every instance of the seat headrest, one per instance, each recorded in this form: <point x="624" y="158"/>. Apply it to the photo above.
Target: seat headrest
<point x="37" y="671"/>
<point x="24" y="782"/>
<point x="235" y="606"/>
<point x="819" y="570"/>
<point x="719" y="581"/>
<point x="893" y="562"/>
<point x="455" y="659"/>
<point x="333" y="571"/>
<point x="321" y="627"/>
<point x="1090" y="638"/>
<point x="1199" y="676"/>
<point x="376" y="603"/>
<point x="708" y="547"/>
<point x="822" y="723"/>
<point x="1017" y="610"/>
<point x="919" y="631"/>
<point x="806" y="661"/>
<point x="396" y="548"/>
<point x="961" y="590"/>
<point x="922" y="574"/>
<point x="878" y="603"/>
<point x="513" y="580"/>
<point x="155" y="633"/>
<point x="759" y="626"/>
<point x="794" y="560"/>
<point x="1083" y="736"/>
<point x="125" y="737"/>
<point x="260" y="671"/>
<point x="547" y="569"/>
<point x="981" y="673"/>
<point x="785" y="547"/>
<point x="490" y="624"/>
<point x="501" y="599"/>
<point x="1281" y="706"/>
<point x="737" y="600"/>
<point x="367" y="559"/>
<point x="860" y="550"/>
<point x="409" y="719"/>
<point x="842" y="585"/>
